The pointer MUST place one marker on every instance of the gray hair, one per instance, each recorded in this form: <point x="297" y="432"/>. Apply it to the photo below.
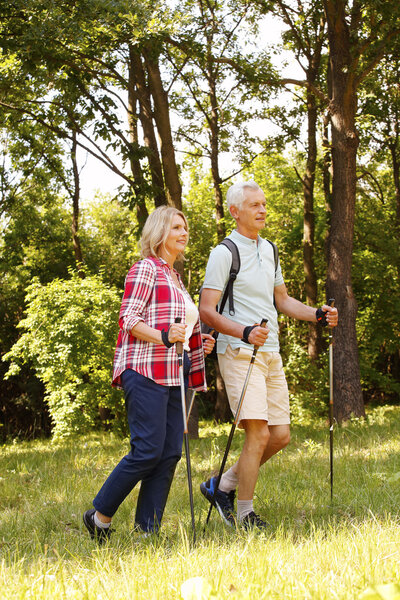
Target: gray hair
<point x="236" y="193"/>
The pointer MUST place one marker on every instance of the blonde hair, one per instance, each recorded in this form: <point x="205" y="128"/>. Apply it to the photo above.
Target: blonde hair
<point x="157" y="228"/>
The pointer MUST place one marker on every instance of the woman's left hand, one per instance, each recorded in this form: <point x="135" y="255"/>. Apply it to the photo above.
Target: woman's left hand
<point x="208" y="343"/>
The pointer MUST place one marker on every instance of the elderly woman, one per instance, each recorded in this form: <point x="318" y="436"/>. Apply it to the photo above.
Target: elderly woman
<point x="146" y="368"/>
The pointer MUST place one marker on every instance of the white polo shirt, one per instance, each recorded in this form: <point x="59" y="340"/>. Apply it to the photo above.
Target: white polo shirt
<point x="253" y="290"/>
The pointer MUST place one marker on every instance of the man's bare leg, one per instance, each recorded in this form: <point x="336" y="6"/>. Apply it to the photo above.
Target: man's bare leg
<point x="257" y="437"/>
<point x="279" y="438"/>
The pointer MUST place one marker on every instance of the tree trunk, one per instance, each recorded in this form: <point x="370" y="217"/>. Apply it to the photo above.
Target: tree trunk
<point x="138" y="179"/>
<point x="222" y="409"/>
<point x="75" y="209"/>
<point x="348" y="399"/>
<point x="138" y="79"/>
<point x="214" y="145"/>
<point x="395" y="358"/>
<point x="396" y="179"/>
<point x="327" y="166"/>
<point x="163" y="123"/>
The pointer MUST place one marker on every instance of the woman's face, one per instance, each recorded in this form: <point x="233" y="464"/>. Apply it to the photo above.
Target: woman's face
<point x="177" y="237"/>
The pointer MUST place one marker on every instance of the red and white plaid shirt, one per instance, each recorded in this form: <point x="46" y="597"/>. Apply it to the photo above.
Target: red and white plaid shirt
<point x="151" y="296"/>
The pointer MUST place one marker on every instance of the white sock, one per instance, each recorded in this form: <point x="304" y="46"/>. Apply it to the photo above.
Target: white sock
<point x="244" y="507"/>
<point x="229" y="481"/>
<point x="99" y="523"/>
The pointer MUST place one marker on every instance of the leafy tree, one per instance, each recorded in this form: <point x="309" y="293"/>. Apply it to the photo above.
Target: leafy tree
<point x="69" y="337"/>
<point x="109" y="232"/>
<point x="379" y="123"/>
<point x="215" y="102"/>
<point x="376" y="285"/>
<point x="379" y="183"/>
<point x="306" y="38"/>
<point x="35" y="241"/>
<point x="86" y="75"/>
<point x="359" y="33"/>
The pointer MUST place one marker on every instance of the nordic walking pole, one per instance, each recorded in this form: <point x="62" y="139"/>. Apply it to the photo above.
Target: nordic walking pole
<point x="235" y="421"/>
<point x="190" y="400"/>
<point x="179" y="351"/>
<point x="331" y="302"/>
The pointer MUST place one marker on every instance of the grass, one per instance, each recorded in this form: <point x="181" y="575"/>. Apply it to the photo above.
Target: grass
<point x="316" y="550"/>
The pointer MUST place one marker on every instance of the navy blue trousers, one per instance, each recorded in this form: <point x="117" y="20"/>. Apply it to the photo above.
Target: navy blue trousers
<point x="156" y="433"/>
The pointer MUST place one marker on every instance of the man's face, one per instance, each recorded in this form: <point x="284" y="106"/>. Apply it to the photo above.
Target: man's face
<point x="250" y="217"/>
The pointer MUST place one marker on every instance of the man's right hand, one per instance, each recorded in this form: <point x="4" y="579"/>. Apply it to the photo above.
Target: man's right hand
<point x="258" y="335"/>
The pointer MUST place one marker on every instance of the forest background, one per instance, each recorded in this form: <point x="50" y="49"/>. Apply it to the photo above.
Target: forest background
<point x="177" y="100"/>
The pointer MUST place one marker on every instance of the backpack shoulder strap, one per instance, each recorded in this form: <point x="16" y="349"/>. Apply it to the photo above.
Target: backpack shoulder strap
<point x="234" y="270"/>
<point x="276" y="258"/>
<point x="235" y="267"/>
<point x="276" y="254"/>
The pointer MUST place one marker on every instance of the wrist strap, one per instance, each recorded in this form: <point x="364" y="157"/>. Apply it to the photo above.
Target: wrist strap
<point x="246" y="333"/>
<point x="321" y="317"/>
<point x="164" y="337"/>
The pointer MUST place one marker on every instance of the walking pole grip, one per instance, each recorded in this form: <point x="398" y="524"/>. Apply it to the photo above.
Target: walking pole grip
<point x="263" y="324"/>
<point x="179" y="345"/>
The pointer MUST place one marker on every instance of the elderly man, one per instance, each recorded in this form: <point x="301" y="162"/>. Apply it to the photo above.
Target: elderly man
<point x="258" y="292"/>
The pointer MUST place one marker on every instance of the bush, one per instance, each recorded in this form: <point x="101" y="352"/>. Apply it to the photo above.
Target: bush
<point x="70" y="333"/>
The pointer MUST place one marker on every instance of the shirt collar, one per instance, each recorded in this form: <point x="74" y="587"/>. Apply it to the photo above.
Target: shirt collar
<point x="163" y="263"/>
<point x="242" y="239"/>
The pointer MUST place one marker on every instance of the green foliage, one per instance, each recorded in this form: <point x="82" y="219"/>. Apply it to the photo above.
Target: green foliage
<point x="64" y="71"/>
<point x="69" y="337"/>
<point x="376" y="282"/>
<point x="108" y="235"/>
<point x="35" y="242"/>
<point x="217" y="100"/>
<point x="199" y="210"/>
<point x="276" y="173"/>
<point x="307" y="381"/>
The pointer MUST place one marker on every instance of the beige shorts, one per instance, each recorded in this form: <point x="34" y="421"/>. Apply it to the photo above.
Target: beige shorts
<point x="267" y="395"/>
